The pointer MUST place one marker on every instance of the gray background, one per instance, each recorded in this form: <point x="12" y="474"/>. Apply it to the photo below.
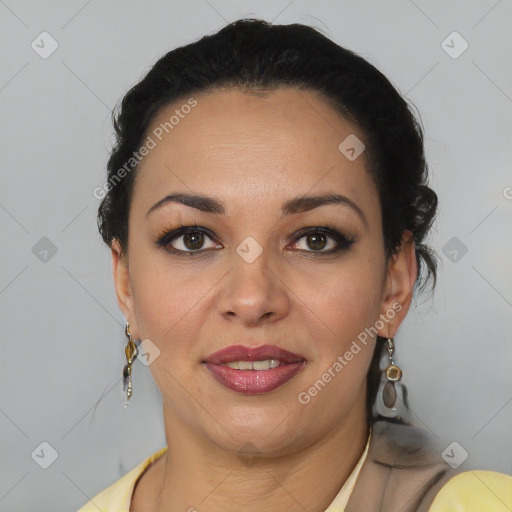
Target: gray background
<point x="62" y="333"/>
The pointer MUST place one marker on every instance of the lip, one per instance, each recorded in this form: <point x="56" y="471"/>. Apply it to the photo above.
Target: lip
<point x="241" y="353"/>
<point x="254" y="381"/>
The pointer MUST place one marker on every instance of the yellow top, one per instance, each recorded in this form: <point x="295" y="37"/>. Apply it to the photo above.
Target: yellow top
<point x="470" y="491"/>
<point x="475" y="491"/>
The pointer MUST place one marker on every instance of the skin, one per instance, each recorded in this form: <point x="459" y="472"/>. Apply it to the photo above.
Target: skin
<point x="252" y="152"/>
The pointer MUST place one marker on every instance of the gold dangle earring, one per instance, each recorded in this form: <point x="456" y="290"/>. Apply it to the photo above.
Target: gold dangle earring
<point x="131" y="352"/>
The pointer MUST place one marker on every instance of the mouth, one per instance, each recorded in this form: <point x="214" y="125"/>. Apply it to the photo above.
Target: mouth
<point x="254" y="370"/>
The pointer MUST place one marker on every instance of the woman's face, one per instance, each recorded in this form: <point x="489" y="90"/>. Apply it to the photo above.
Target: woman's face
<point x="252" y="275"/>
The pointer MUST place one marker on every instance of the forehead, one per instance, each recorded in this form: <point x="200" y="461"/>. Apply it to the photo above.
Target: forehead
<point x="239" y="145"/>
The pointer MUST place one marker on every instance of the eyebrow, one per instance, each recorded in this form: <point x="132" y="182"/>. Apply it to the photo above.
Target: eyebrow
<point x="292" y="206"/>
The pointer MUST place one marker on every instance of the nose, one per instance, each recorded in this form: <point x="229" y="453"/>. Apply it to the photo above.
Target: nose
<point x="253" y="293"/>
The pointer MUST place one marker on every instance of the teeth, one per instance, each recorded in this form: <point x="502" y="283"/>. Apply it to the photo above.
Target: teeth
<point x="254" y="365"/>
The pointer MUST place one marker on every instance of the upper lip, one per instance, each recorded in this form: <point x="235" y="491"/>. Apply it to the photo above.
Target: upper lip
<point x="261" y="353"/>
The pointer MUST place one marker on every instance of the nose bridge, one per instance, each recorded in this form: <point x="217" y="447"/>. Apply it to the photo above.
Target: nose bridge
<point x="252" y="291"/>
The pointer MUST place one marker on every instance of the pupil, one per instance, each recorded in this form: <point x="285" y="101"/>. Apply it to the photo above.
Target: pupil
<point x="195" y="244"/>
<point x="316" y="239"/>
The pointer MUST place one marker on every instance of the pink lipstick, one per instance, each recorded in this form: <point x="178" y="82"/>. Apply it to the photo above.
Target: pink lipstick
<point x="254" y="370"/>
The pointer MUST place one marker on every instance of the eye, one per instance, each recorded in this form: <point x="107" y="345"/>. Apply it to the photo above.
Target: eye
<point x="322" y="240"/>
<point x="186" y="239"/>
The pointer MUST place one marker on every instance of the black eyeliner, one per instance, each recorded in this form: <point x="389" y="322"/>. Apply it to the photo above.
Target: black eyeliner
<point x="166" y="236"/>
<point x="344" y="242"/>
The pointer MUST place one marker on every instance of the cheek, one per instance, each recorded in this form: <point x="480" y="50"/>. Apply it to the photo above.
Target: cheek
<point x="350" y="306"/>
<point x="168" y="308"/>
<point x="170" y="302"/>
<point x="345" y="299"/>
<point x="347" y="304"/>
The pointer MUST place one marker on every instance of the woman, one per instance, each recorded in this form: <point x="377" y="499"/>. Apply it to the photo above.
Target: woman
<point x="266" y="209"/>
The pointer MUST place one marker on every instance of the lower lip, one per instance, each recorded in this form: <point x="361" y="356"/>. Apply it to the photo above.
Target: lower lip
<point x="255" y="381"/>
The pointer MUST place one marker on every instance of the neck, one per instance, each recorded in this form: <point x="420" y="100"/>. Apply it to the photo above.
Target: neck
<point x="196" y="474"/>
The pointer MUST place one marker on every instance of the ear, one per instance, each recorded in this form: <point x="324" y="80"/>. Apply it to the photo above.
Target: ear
<point x="401" y="277"/>
<point x="123" y="286"/>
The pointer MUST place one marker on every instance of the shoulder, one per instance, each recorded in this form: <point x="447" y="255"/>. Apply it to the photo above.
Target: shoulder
<point x="478" y="490"/>
<point x="117" y="497"/>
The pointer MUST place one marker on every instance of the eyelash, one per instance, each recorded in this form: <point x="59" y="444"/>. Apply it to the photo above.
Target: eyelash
<point x="166" y="236"/>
